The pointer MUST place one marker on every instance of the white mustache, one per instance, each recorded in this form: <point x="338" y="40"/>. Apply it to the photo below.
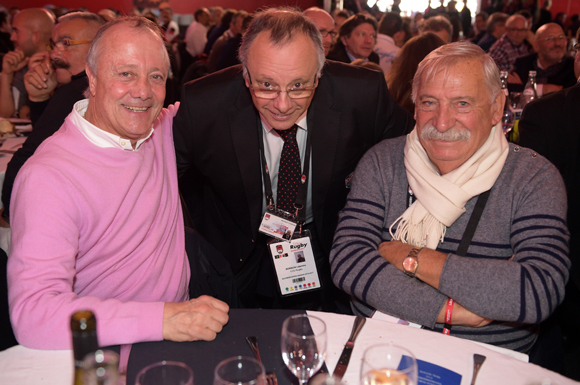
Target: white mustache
<point x="454" y="134"/>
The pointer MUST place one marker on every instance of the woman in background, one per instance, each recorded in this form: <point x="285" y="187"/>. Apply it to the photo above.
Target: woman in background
<point x="400" y="75"/>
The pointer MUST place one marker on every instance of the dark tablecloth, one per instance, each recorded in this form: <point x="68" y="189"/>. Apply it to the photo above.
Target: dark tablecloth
<point x="204" y="356"/>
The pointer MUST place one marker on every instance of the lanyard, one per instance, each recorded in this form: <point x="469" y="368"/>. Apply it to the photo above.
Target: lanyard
<point x="300" y="202"/>
<point x="471" y="225"/>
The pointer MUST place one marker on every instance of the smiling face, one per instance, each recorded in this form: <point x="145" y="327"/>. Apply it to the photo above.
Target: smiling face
<point x="128" y="90"/>
<point x="454" y="114"/>
<point x="361" y="41"/>
<point x="516" y="29"/>
<point x="291" y="65"/>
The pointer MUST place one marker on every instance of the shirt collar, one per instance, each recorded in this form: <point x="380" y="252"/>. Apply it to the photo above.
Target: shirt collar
<point x="97" y="136"/>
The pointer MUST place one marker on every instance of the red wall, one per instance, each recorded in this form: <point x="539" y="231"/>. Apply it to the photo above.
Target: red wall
<point x="179" y="6"/>
<point x="189" y="6"/>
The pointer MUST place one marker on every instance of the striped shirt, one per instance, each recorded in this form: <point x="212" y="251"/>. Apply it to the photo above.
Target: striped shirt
<point x="514" y="271"/>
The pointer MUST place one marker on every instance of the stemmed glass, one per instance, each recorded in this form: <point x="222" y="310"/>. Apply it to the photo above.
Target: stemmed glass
<point x="387" y="364"/>
<point x="303" y="345"/>
<point x="507" y="121"/>
<point x="239" y="371"/>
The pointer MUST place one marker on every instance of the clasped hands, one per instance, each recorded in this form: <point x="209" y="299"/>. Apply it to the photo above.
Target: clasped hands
<point x="40" y="80"/>
<point x="429" y="271"/>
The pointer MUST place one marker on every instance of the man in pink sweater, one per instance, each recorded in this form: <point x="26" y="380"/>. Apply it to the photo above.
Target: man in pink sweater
<point x="97" y="222"/>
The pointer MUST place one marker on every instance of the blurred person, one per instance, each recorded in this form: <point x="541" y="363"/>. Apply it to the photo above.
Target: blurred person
<point x="418" y="19"/>
<point x="479" y="27"/>
<point x="31" y="29"/>
<point x="466" y="26"/>
<point x="55" y="82"/>
<point x="440" y="26"/>
<point x="226" y="119"/>
<point x="530" y="35"/>
<point x="396" y="6"/>
<point x="403" y="38"/>
<point x="544" y="15"/>
<point x="234" y="32"/>
<point x="168" y="25"/>
<point x="554" y="69"/>
<point x="402" y="233"/>
<point x="217" y="31"/>
<point x="495" y="29"/>
<point x="512" y="45"/>
<point x="549" y="126"/>
<point x="401" y="73"/>
<point x="107" y="14"/>
<point x="390" y="29"/>
<point x="109" y="175"/>
<point x="455" y="19"/>
<point x="356" y="40"/>
<point x="560" y="19"/>
<point x="6" y="44"/>
<point x="196" y="34"/>
<point x="340" y="16"/>
<point x="325" y="25"/>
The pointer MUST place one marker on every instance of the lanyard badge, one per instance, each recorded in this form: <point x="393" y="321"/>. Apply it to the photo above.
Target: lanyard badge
<point x="294" y="264"/>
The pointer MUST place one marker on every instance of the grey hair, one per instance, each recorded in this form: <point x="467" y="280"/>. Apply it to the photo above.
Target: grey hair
<point x="284" y="24"/>
<point x="86" y="16"/>
<point x="444" y="58"/>
<point x="136" y="22"/>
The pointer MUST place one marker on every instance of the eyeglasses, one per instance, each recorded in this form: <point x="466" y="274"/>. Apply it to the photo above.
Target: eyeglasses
<point x="325" y="33"/>
<point x="552" y="38"/>
<point x="272" y="93"/>
<point x="517" y="29"/>
<point x="65" y="43"/>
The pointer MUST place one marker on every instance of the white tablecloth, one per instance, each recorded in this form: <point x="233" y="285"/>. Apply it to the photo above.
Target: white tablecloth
<point x="23" y="366"/>
<point x="450" y="352"/>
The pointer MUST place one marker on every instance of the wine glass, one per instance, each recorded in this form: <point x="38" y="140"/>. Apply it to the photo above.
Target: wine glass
<point x="387" y="364"/>
<point x="101" y="368"/>
<point x="303" y="345"/>
<point x="239" y="371"/>
<point x="507" y="121"/>
<point x="165" y="373"/>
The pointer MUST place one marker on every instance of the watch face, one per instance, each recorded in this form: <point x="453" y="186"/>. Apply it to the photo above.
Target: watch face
<point x="410" y="264"/>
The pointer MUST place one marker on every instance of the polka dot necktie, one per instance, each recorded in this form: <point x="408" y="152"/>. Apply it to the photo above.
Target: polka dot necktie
<point x="289" y="170"/>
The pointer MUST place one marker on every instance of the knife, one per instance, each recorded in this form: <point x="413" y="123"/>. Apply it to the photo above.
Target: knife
<point x="347" y="351"/>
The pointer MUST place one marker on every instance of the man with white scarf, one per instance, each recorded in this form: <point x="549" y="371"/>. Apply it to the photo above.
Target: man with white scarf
<point x="424" y="241"/>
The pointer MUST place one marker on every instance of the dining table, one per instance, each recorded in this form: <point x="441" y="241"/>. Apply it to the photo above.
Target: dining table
<point x="23" y="366"/>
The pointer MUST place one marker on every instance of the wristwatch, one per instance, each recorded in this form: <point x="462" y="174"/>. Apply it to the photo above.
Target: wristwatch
<point x="410" y="264"/>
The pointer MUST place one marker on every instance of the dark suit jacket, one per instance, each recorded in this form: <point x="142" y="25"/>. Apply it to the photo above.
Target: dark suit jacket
<point x="338" y="53"/>
<point x="216" y="136"/>
<point x="563" y="77"/>
<point x="550" y="126"/>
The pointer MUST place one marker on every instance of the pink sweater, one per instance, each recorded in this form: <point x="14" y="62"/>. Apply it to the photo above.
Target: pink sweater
<point x="100" y="229"/>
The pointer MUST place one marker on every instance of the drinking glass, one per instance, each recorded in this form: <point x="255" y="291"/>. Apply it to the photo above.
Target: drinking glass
<point x="387" y="364"/>
<point x="303" y="345"/>
<point x="507" y="121"/>
<point x="101" y="368"/>
<point x="165" y="373"/>
<point x="239" y="371"/>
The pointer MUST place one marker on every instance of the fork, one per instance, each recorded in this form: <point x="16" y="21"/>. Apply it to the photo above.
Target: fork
<point x="270" y="376"/>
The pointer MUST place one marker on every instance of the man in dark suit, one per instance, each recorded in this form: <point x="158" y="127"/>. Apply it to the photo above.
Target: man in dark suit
<point x="549" y="125"/>
<point x="225" y="131"/>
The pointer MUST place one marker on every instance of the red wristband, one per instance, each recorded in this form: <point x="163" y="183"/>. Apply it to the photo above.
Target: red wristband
<point x="448" y="313"/>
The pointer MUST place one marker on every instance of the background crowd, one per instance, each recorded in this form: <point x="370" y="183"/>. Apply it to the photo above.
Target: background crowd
<point x="520" y="36"/>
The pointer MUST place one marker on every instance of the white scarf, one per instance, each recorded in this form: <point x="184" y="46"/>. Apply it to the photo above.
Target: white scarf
<point x="441" y="199"/>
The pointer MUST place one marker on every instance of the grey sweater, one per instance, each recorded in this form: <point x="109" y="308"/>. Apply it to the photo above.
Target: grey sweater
<point x="524" y="217"/>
